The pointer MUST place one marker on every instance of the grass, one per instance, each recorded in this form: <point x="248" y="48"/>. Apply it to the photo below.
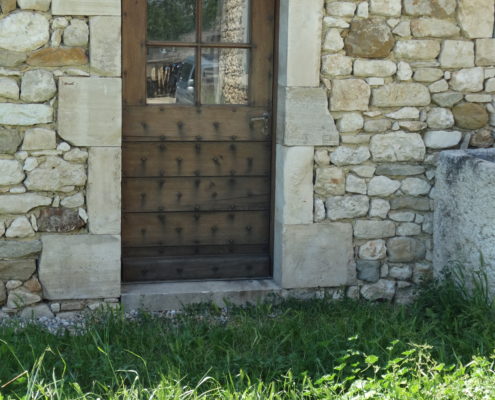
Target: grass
<point x="441" y="347"/>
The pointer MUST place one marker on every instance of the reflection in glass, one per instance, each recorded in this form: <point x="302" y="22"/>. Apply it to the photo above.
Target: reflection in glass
<point x="224" y="76"/>
<point x="225" y="21"/>
<point x="172" y="20"/>
<point x="170" y="75"/>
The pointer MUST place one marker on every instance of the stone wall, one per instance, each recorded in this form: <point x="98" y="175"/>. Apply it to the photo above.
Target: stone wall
<point x="60" y="135"/>
<point x="405" y="80"/>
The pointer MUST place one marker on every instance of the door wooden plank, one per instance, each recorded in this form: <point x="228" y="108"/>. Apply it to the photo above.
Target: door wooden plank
<point x="180" y="268"/>
<point x="196" y="159"/>
<point x="196" y="194"/>
<point x="167" y="251"/>
<point x="182" y="229"/>
<point x="186" y="123"/>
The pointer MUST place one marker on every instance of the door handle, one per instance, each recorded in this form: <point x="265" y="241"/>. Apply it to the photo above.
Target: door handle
<point x="265" y="118"/>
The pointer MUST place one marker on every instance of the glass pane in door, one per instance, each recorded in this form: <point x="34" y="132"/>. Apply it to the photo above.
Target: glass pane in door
<point x="226" y="21"/>
<point x="224" y="76"/>
<point x="170" y="75"/>
<point x="172" y="20"/>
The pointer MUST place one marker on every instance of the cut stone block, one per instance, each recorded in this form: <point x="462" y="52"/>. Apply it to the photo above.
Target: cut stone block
<point x="316" y="255"/>
<point x="105" y="49"/>
<point x="91" y="269"/>
<point x="90" y="112"/>
<point x="86" y="7"/>
<point x="104" y="190"/>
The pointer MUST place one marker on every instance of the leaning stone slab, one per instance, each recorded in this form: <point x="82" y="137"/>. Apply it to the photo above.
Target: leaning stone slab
<point x="19" y="249"/>
<point x="99" y="98"/>
<point x="91" y="269"/>
<point x="87" y="7"/>
<point x="25" y="114"/>
<point x="20" y="270"/>
<point x="22" y="203"/>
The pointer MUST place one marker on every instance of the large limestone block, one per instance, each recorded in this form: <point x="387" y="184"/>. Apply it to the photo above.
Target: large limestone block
<point x="433" y="27"/>
<point x="401" y="94"/>
<point x="369" y="38"/>
<point x="294" y="185"/>
<point x="468" y="80"/>
<point x="38" y="86"/>
<point x="350" y="95"/>
<point x="25" y="114"/>
<point x="22" y="203"/>
<point x="301" y="24"/>
<point x="104" y="47"/>
<point x="306" y="120"/>
<point x="24" y="31"/>
<point x="55" y="174"/>
<point x="347" y="207"/>
<point x="437" y="8"/>
<point x="89" y="111"/>
<point x="388" y="8"/>
<point x="417" y="50"/>
<point x="316" y="255"/>
<point x="86" y="7"/>
<point x="464" y="218"/>
<point x="397" y="146"/>
<point x="91" y="269"/>
<point x="476" y="18"/>
<point x="457" y="54"/>
<point x="380" y="68"/>
<point x="103" y="191"/>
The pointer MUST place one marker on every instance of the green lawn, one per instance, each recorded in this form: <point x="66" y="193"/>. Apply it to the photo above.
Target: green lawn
<point x="442" y="347"/>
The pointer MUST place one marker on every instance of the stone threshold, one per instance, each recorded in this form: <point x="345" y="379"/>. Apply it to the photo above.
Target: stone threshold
<point x="164" y="296"/>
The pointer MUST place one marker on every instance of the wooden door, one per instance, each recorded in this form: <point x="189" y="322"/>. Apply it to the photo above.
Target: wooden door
<point x="197" y="138"/>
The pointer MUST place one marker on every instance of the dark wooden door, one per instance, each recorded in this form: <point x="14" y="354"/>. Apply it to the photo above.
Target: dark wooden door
<point x="197" y="138"/>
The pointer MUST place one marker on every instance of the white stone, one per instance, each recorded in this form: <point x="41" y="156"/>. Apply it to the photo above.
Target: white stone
<point x="87" y="7"/>
<point x="9" y="88"/>
<point x="76" y="155"/>
<point x="105" y="57"/>
<point x="99" y="98"/>
<point x="103" y="190"/>
<point x="74" y="201"/>
<point x="56" y="38"/>
<point x="479" y="98"/>
<point x="363" y="10"/>
<point x="402" y="272"/>
<point x="373" y="250"/>
<point x="330" y="181"/>
<point x="76" y="34"/>
<point x="365" y="171"/>
<point x="379" y="68"/>
<point x="13" y="284"/>
<point x="490" y="85"/>
<point x="345" y="155"/>
<point x="440" y="8"/>
<point x="55" y="174"/>
<point x="415" y="186"/>
<point x="38" y="86"/>
<point x="333" y="22"/>
<point x="23" y="31"/>
<point x="404" y="71"/>
<point x="403" y="29"/>
<point x="37" y="5"/>
<point x="402" y="216"/>
<point x="30" y="163"/>
<point x="315" y="255"/>
<point x="341" y="9"/>
<point x="388" y="8"/>
<point x="476" y="18"/>
<point x="350" y="95"/>
<point x="25" y="114"/>
<point x="442" y="139"/>
<point x="382" y="290"/>
<point x="319" y="210"/>
<point x="21" y="297"/>
<point x="343" y="207"/>
<point x="336" y="65"/>
<point x="12" y="173"/>
<point x="20" y="228"/>
<point x="377" y="125"/>
<point x="39" y="139"/>
<point x="439" y="86"/>
<point x="457" y="54"/>
<point x="404" y="113"/>
<point x="468" y="80"/>
<point x="379" y="208"/>
<point x="485" y="52"/>
<point x="428" y="74"/>
<point x="17" y="189"/>
<point x="408" y="229"/>
<point x="440" y="118"/>
<point x="63" y="147"/>
<point x="397" y="146"/>
<point x="374" y="229"/>
<point x="393" y="22"/>
<point x="417" y="50"/>
<point x="355" y="184"/>
<point x="22" y="203"/>
<point x="60" y="23"/>
<point x="91" y="269"/>
<point x="401" y="94"/>
<point x="333" y="41"/>
<point x="294" y="189"/>
<point x="350" y="122"/>
<point x="322" y="158"/>
<point x="375" y="81"/>
<point x="433" y="27"/>
<point x="382" y="186"/>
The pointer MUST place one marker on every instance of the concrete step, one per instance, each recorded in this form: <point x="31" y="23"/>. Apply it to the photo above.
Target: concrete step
<point x="165" y="296"/>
